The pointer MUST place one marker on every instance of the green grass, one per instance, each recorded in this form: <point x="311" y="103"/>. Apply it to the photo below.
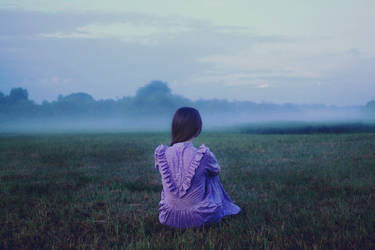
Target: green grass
<point x="101" y="191"/>
<point x="295" y="127"/>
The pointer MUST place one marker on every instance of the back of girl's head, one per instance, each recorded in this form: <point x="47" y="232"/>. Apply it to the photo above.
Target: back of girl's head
<point x="186" y="124"/>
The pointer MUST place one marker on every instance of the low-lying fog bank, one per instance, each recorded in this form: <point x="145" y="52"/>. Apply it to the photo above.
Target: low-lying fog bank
<point x="255" y="123"/>
<point x="152" y="109"/>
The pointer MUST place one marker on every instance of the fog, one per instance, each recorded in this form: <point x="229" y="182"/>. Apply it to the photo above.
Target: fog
<point x="210" y="123"/>
<point x="152" y="109"/>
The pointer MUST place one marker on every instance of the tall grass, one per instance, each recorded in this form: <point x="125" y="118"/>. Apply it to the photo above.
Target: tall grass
<point x="100" y="191"/>
<point x="308" y="127"/>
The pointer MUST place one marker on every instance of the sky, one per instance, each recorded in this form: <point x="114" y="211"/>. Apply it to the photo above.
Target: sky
<point x="292" y="51"/>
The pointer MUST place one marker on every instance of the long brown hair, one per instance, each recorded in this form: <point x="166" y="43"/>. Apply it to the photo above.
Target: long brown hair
<point x="186" y="124"/>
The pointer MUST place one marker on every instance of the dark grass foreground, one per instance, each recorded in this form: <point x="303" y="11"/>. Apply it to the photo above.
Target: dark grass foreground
<point x="308" y="128"/>
<point x="101" y="191"/>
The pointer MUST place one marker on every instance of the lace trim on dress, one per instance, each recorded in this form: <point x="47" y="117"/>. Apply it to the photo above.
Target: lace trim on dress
<point x="164" y="169"/>
<point x="166" y="174"/>
<point x="192" y="169"/>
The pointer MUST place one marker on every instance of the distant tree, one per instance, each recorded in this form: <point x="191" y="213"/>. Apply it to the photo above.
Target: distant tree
<point x="18" y="94"/>
<point x="77" y="98"/>
<point x="2" y="104"/>
<point x="2" y="98"/>
<point x="153" y="88"/>
<point x="17" y="104"/>
<point x="371" y="105"/>
<point x="73" y="104"/>
<point x="156" y="98"/>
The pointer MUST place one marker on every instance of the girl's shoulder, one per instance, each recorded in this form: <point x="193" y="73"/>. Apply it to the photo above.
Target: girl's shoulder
<point x="159" y="152"/>
<point x="206" y="152"/>
<point x="160" y="148"/>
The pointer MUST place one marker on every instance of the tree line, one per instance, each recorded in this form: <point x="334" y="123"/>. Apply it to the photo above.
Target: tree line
<point x="153" y="99"/>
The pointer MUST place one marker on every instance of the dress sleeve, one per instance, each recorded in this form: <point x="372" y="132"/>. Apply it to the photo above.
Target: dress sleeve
<point x="157" y="154"/>
<point x="212" y="166"/>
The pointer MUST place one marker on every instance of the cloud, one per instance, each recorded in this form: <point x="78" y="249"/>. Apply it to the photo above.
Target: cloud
<point x="112" y="54"/>
<point x="124" y="31"/>
<point x="151" y="29"/>
<point x="26" y="23"/>
<point x="249" y="79"/>
<point x="301" y="59"/>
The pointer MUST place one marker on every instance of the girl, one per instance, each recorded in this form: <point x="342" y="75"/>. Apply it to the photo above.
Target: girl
<point x="192" y="193"/>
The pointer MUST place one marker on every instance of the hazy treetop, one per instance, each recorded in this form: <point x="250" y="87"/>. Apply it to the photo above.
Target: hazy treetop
<point x="154" y="88"/>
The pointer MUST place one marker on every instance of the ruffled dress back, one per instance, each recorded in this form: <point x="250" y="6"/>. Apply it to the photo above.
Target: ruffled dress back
<point x="192" y="192"/>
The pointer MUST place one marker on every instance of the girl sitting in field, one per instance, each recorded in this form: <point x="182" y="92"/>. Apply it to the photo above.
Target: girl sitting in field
<point x="192" y="193"/>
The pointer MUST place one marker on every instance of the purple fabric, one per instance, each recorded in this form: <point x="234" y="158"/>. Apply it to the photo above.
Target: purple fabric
<point x="192" y="192"/>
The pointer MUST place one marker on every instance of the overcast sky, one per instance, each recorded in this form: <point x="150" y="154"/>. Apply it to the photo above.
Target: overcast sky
<point x="264" y="51"/>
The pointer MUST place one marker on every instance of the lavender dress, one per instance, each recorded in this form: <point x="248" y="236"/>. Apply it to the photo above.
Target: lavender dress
<point x="192" y="192"/>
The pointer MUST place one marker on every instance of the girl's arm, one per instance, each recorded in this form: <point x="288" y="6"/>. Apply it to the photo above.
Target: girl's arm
<point x="212" y="165"/>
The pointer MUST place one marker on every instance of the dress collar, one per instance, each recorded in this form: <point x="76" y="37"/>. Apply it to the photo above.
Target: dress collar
<point x="183" y="144"/>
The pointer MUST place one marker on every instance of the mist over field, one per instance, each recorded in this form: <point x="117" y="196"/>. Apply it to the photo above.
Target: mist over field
<point x="152" y="108"/>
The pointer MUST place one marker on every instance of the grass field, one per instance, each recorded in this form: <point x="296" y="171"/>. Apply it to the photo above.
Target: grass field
<point x="101" y="191"/>
<point x="293" y="127"/>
